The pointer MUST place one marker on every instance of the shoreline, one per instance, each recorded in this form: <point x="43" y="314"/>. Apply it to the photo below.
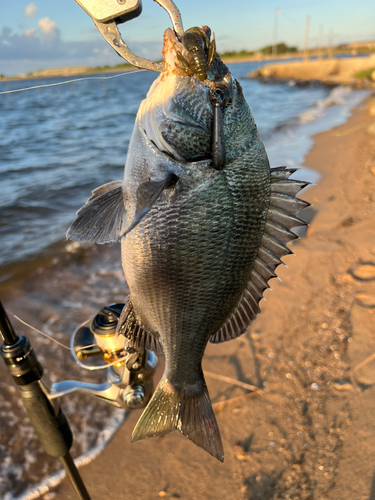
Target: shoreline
<point x="310" y="430"/>
<point x="229" y="60"/>
<point x="226" y="60"/>
<point x="22" y="268"/>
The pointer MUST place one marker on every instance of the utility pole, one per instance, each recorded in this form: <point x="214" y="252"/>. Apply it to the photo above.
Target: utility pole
<point x="330" y="46"/>
<point x="275" y="27"/>
<point x="320" y="46"/>
<point x="307" y="34"/>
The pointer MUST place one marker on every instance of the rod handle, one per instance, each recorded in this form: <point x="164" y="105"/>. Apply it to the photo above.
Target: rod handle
<point x="51" y="426"/>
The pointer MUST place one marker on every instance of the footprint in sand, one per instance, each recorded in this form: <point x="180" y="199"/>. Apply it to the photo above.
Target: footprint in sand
<point x="365" y="300"/>
<point x="364" y="272"/>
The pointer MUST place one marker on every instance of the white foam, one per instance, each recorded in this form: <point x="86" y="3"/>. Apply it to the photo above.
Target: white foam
<point x="293" y="142"/>
<point x="52" y="481"/>
<point x="337" y="97"/>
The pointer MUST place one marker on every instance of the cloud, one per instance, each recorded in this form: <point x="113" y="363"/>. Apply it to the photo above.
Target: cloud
<point x="47" y="26"/>
<point x="29" y="32"/>
<point x="30" y="10"/>
<point x="46" y="49"/>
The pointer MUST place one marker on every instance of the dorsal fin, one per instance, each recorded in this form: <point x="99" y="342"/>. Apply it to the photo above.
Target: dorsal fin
<point x="136" y="335"/>
<point x="280" y="219"/>
<point x="100" y="220"/>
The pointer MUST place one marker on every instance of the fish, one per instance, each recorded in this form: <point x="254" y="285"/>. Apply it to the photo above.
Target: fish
<point x="203" y="223"/>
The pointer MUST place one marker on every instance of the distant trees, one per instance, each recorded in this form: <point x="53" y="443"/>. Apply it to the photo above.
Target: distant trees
<point x="235" y="53"/>
<point x="281" y="48"/>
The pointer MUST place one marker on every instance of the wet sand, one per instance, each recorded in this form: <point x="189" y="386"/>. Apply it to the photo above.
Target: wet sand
<point x="310" y="432"/>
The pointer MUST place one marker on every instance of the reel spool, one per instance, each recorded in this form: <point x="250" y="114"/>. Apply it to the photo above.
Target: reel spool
<point x="96" y="338"/>
<point x="129" y="371"/>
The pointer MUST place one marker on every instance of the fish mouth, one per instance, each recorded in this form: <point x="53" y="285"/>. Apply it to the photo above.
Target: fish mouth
<point x="177" y="115"/>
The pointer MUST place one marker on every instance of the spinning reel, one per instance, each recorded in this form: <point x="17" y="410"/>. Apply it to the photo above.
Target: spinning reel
<point x="129" y="371"/>
<point x="129" y="382"/>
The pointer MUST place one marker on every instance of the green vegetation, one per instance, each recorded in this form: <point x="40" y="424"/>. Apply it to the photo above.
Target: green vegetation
<point x="281" y="48"/>
<point x="110" y="68"/>
<point x="366" y="73"/>
<point x="234" y="53"/>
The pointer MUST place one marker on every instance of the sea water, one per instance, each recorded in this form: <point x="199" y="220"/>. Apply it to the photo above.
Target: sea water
<point x="56" y="145"/>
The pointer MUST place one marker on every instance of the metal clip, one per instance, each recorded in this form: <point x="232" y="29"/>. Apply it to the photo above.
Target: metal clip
<point x="107" y="14"/>
<point x="220" y="96"/>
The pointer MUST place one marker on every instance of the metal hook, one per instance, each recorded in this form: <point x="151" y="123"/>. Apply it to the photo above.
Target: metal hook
<point x="174" y="14"/>
<point x="107" y="25"/>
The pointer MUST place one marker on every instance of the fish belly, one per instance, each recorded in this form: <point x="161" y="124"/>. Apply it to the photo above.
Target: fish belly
<point x="189" y="261"/>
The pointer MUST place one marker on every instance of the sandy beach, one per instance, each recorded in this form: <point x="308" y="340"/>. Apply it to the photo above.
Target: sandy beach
<point x="309" y="432"/>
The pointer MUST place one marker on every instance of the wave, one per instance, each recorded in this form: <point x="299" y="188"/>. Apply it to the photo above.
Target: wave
<point x="55" y="295"/>
<point x="337" y="97"/>
<point x="292" y="140"/>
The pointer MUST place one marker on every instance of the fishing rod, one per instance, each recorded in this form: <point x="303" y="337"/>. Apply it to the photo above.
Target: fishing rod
<point x="48" y="419"/>
<point x="129" y="382"/>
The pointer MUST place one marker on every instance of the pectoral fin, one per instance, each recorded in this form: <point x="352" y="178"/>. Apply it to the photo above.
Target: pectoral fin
<point x="100" y="220"/>
<point x="147" y="194"/>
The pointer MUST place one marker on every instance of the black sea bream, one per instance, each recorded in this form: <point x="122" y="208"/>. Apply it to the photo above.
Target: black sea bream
<point x="200" y="236"/>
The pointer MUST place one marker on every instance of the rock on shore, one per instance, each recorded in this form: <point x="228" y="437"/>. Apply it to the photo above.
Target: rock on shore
<point x="329" y="71"/>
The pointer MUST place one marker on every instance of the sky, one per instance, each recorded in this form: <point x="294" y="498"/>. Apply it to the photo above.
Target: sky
<point x="49" y="34"/>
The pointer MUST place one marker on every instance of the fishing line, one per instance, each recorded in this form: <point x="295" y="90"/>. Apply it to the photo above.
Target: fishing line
<point x="91" y="368"/>
<point x="100" y="367"/>
<point x="38" y="331"/>
<point x="71" y="81"/>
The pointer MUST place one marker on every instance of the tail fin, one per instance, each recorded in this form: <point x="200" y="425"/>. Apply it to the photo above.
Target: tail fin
<point x="187" y="410"/>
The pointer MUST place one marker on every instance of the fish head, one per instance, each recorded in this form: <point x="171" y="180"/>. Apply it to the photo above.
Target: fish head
<point x="177" y="114"/>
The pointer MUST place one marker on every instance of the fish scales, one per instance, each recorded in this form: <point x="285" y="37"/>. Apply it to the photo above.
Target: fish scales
<point x="181" y="278"/>
<point x="199" y="245"/>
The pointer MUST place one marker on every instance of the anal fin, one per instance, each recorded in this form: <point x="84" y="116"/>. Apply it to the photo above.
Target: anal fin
<point x="136" y="335"/>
